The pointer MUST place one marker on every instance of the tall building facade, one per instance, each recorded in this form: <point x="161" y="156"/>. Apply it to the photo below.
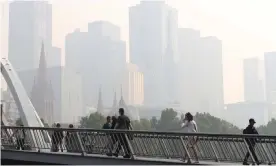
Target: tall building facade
<point x="188" y="69"/>
<point x="133" y="85"/>
<point x="270" y="79"/>
<point x="54" y="58"/>
<point x="211" y="66"/>
<point x="4" y="29"/>
<point x="253" y="86"/>
<point x="99" y="55"/>
<point x="153" y="42"/>
<point x="200" y="72"/>
<point x="30" y="23"/>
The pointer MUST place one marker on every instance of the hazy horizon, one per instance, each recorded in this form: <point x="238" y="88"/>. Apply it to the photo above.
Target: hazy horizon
<point x="246" y="28"/>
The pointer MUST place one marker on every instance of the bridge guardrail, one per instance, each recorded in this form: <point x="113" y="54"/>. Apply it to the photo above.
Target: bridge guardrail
<point x="167" y="145"/>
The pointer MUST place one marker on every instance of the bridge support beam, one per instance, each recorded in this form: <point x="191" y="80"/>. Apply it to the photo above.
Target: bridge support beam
<point x="25" y="107"/>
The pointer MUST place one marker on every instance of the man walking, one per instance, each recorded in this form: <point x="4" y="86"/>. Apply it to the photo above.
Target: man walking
<point x="123" y="123"/>
<point x="107" y="125"/>
<point x="251" y="142"/>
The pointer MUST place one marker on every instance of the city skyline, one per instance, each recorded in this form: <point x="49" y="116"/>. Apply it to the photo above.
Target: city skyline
<point x="232" y="53"/>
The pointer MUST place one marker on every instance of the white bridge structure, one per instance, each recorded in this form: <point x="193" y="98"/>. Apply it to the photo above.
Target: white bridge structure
<point x="27" y="112"/>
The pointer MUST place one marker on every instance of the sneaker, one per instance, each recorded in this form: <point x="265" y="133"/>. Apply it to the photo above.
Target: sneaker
<point x="245" y="163"/>
<point x="109" y="154"/>
<point x="115" y="154"/>
<point x="127" y="156"/>
<point x="196" y="162"/>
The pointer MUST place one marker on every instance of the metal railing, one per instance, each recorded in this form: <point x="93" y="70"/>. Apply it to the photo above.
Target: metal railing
<point x="166" y="145"/>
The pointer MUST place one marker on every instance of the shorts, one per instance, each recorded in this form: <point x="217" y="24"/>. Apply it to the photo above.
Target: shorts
<point x="191" y="141"/>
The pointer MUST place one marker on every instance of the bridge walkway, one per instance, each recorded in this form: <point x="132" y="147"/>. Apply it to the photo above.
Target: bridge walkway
<point x="157" y="147"/>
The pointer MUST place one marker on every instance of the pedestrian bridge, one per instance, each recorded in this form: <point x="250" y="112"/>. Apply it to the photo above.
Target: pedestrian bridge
<point x="89" y="146"/>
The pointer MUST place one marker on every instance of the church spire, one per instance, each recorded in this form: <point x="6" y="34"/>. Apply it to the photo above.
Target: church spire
<point x="115" y="100"/>
<point x="42" y="95"/>
<point x="41" y="75"/>
<point x="100" y="102"/>
<point x="114" y="108"/>
<point x="122" y="98"/>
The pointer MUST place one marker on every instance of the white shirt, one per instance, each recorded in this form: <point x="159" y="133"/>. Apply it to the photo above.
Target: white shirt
<point x="190" y="126"/>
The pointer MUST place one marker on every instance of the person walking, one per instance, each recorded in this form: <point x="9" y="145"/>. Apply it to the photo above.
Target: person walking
<point x="57" y="138"/>
<point x="20" y="138"/>
<point x="191" y="127"/>
<point x="123" y="123"/>
<point x="114" y="138"/>
<point x="107" y="125"/>
<point x="251" y="142"/>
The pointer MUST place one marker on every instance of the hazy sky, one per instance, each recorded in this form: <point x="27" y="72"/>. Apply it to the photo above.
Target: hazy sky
<point x="246" y="27"/>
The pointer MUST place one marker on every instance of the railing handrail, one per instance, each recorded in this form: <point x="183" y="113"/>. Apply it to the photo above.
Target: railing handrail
<point x="169" y="133"/>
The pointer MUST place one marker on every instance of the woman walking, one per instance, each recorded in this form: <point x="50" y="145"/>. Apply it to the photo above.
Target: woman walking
<point x="191" y="127"/>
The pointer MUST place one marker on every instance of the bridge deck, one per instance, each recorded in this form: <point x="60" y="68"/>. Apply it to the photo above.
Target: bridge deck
<point x="145" y="146"/>
<point x="91" y="159"/>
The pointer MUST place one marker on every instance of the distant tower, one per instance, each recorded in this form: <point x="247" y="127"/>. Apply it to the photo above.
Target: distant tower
<point x="122" y="104"/>
<point x="100" y="108"/>
<point x="114" y="109"/>
<point x="42" y="95"/>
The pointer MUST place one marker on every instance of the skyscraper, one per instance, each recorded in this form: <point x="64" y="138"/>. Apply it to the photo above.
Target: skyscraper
<point x="211" y="74"/>
<point x="270" y="76"/>
<point x="153" y="43"/>
<point x="99" y="55"/>
<point x="54" y="57"/>
<point x="253" y="87"/>
<point x="200" y="77"/>
<point x="188" y="69"/>
<point x="30" y="23"/>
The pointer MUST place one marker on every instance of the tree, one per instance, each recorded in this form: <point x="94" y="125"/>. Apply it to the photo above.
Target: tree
<point x="154" y="122"/>
<point x="94" y="120"/>
<point x="168" y="120"/>
<point x="209" y="124"/>
<point x="269" y="129"/>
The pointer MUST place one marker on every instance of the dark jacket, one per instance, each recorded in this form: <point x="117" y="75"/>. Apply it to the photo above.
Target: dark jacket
<point x="107" y="126"/>
<point x="57" y="136"/>
<point x="123" y="122"/>
<point x="250" y="130"/>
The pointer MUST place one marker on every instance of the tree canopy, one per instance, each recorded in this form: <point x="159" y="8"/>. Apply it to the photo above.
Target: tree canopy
<point x="269" y="129"/>
<point x="169" y="121"/>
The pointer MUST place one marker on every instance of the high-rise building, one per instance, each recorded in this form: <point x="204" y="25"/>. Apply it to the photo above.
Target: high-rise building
<point x="270" y="79"/>
<point x="99" y="55"/>
<point x="3" y="35"/>
<point x="188" y="69"/>
<point x="153" y="43"/>
<point x="200" y="78"/>
<point x="30" y="23"/>
<point x="253" y="87"/>
<point x="211" y="74"/>
<point x="104" y="29"/>
<point x="54" y="57"/>
<point x="3" y="29"/>
<point x="133" y="84"/>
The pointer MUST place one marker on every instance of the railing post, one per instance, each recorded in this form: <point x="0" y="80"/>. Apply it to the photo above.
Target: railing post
<point x="81" y="145"/>
<point x="216" y="155"/>
<point x="249" y="151"/>
<point x="130" y="146"/>
<point x="166" y="149"/>
<point x="186" y="150"/>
